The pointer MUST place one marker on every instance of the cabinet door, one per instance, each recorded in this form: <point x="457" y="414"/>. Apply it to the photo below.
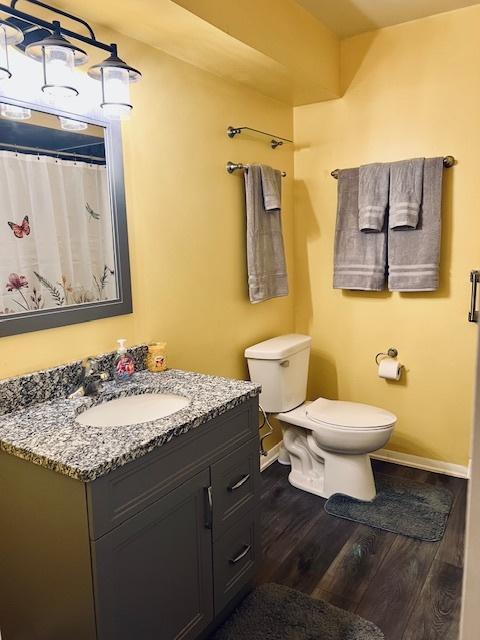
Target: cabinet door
<point x="153" y="573"/>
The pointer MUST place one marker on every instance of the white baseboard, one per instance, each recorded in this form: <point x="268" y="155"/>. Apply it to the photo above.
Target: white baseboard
<point x="405" y="459"/>
<point x="266" y="461"/>
<point x="417" y="462"/>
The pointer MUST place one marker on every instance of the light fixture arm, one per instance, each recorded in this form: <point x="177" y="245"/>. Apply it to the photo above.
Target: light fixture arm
<point x="52" y="26"/>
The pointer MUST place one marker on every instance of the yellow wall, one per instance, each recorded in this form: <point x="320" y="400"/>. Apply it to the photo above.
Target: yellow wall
<point x="410" y="90"/>
<point x="186" y="224"/>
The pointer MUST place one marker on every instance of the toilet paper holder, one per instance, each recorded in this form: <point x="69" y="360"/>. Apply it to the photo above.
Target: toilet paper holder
<point x="391" y="353"/>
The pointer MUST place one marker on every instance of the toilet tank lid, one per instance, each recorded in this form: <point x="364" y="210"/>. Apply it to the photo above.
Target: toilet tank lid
<point x="279" y="347"/>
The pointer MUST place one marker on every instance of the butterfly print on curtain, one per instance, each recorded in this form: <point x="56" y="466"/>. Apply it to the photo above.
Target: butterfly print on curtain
<point x="20" y="230"/>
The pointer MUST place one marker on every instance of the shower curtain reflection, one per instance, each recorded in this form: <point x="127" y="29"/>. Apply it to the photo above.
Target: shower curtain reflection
<point x="56" y="235"/>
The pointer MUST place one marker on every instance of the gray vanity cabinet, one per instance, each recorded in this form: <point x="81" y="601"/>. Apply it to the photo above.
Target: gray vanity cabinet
<point x="157" y="549"/>
<point x="154" y="572"/>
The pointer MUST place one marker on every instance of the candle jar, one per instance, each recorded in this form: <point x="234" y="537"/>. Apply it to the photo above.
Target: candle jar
<point x="157" y="357"/>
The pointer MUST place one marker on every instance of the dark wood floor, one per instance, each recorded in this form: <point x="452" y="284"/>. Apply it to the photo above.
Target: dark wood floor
<point x="409" y="588"/>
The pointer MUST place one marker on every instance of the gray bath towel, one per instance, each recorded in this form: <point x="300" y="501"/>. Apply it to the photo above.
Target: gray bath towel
<point x="414" y="255"/>
<point x="360" y="258"/>
<point x="271" y="187"/>
<point x="373" y="196"/>
<point x="406" y="185"/>
<point x="267" y="271"/>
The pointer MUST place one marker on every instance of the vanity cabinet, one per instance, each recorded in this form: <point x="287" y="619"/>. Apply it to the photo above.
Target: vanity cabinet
<point x="159" y="548"/>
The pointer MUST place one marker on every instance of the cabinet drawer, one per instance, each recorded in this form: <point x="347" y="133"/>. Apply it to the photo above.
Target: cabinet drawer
<point x="235" y="485"/>
<point x="236" y="556"/>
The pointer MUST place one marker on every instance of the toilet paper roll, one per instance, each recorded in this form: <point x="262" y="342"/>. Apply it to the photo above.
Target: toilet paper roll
<point x="390" y="369"/>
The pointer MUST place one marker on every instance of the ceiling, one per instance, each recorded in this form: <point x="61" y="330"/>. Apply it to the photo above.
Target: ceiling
<point x="295" y="61"/>
<point x="351" y="17"/>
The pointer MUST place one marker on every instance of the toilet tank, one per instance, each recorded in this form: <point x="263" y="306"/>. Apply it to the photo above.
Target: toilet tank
<point x="280" y="365"/>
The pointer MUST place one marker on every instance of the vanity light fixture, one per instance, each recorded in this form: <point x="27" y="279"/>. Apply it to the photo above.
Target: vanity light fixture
<point x="9" y="35"/>
<point x="115" y="76"/>
<point x="69" y="124"/>
<point x="59" y="56"/>
<point x="12" y="112"/>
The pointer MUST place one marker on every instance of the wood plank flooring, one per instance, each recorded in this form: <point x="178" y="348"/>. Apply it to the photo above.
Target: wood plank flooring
<point x="409" y="588"/>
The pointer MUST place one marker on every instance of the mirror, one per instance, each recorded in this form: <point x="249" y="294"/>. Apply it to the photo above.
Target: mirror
<point x="64" y="246"/>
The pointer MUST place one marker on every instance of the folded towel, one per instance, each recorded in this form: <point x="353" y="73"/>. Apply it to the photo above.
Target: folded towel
<point x="373" y="196"/>
<point x="359" y="261"/>
<point x="406" y="184"/>
<point x="271" y="187"/>
<point x="267" y="272"/>
<point x="414" y="255"/>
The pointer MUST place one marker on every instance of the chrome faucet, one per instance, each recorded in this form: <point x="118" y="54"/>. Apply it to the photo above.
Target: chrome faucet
<point x="90" y="381"/>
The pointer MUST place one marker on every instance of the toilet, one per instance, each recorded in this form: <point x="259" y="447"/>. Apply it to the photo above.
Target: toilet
<point x="326" y="442"/>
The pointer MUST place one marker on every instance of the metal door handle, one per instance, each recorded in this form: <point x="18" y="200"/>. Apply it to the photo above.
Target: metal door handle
<point x="241" y="482"/>
<point x="241" y="555"/>
<point x="208" y="507"/>
<point x="473" y="313"/>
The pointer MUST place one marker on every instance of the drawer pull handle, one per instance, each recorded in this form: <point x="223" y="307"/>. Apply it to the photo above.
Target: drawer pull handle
<point x="241" y="555"/>
<point x="208" y="507"/>
<point x="241" y="482"/>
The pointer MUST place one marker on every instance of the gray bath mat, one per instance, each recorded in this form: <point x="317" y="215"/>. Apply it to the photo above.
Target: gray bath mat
<point x="275" y="612"/>
<point x="413" y="509"/>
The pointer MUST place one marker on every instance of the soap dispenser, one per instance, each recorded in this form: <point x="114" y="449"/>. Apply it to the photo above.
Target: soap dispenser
<point x="123" y="365"/>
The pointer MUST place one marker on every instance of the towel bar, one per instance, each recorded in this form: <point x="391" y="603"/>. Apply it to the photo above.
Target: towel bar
<point x="238" y="166"/>
<point x="448" y="161"/>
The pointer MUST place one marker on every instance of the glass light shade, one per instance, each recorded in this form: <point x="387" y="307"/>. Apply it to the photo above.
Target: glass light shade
<point x="59" y="63"/>
<point x="116" y="93"/>
<point x="12" y="112"/>
<point x="4" y="66"/>
<point x="9" y="35"/>
<point x="69" y="124"/>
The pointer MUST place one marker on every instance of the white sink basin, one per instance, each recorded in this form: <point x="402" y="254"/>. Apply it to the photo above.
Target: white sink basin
<point x="132" y="410"/>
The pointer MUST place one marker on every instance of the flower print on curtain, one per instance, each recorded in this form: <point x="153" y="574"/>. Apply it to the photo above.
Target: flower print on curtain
<point x="56" y="237"/>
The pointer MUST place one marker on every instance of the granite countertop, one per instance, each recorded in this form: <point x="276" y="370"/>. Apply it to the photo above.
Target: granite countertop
<point x="47" y="434"/>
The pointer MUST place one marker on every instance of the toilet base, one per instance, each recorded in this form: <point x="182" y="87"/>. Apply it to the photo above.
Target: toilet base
<point x="305" y="483"/>
<point x="283" y="457"/>
<point x="324" y="473"/>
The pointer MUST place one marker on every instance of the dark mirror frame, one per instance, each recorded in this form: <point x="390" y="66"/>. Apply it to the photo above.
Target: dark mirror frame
<point x="75" y="314"/>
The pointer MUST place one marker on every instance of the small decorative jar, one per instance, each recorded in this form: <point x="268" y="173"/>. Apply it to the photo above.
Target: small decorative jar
<point x="157" y="357"/>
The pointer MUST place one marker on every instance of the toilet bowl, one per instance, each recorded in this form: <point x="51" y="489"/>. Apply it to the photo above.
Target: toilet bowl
<point x="326" y="442"/>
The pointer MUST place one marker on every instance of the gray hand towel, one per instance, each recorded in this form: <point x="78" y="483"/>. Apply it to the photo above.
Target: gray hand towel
<point x="359" y="261"/>
<point x="271" y="187"/>
<point x="406" y="185"/>
<point x="414" y="255"/>
<point x="373" y="196"/>
<point x="267" y="272"/>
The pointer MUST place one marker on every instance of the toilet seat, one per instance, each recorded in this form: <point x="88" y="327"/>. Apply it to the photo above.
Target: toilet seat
<point x="339" y="414"/>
